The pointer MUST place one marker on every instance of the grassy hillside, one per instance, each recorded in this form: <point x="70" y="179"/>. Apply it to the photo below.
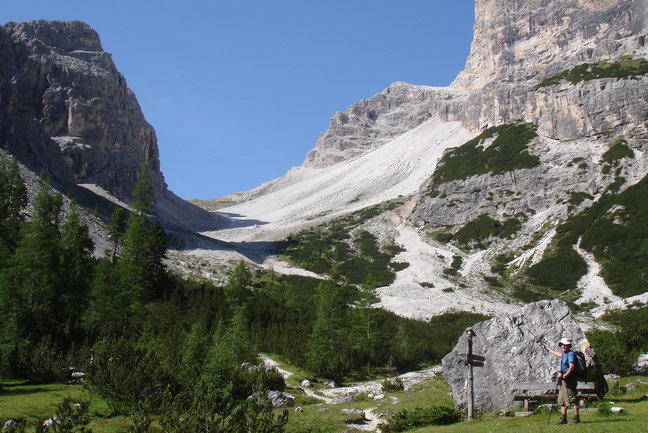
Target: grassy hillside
<point x="615" y="230"/>
<point x="339" y="248"/>
<point x="507" y="152"/>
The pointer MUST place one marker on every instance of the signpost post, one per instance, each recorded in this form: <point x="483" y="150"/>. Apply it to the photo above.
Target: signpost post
<point x="472" y="361"/>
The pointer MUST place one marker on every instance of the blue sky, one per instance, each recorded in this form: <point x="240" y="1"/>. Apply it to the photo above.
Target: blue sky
<point x="239" y="91"/>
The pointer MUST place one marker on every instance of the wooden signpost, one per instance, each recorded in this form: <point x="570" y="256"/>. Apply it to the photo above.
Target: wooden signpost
<point x="472" y="360"/>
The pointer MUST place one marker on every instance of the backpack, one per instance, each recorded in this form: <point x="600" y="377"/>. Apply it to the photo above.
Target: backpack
<point x="580" y="366"/>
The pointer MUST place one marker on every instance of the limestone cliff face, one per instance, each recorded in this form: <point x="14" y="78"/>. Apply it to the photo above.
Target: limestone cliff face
<point x="372" y="122"/>
<point x="517" y="43"/>
<point x="66" y="110"/>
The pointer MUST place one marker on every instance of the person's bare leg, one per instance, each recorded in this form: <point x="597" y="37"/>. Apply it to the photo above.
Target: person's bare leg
<point x="576" y="419"/>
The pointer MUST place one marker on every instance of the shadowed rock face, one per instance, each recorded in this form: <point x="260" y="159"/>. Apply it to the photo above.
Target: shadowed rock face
<point x="511" y="346"/>
<point x="66" y="111"/>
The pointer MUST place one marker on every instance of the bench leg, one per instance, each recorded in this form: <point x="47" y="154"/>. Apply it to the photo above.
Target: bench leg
<point x="526" y="404"/>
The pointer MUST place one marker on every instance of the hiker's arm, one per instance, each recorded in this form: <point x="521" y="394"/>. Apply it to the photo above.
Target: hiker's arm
<point x="553" y="352"/>
<point x="568" y="372"/>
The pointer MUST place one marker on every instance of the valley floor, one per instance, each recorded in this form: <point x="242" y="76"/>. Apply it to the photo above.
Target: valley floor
<point x="324" y="409"/>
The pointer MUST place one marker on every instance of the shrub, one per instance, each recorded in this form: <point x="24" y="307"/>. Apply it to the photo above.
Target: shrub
<point x="392" y="385"/>
<point x="507" y="152"/>
<point x="71" y="416"/>
<point x="419" y="417"/>
<point x="44" y="363"/>
<point x="624" y="68"/>
<point x="13" y="425"/>
<point x="559" y="271"/>
<point x="484" y="227"/>
<point x="246" y="377"/>
<point x="616" y="390"/>
<point x="604" y="408"/>
<point x="612" y="352"/>
<point x="329" y="249"/>
<point x="618" y="150"/>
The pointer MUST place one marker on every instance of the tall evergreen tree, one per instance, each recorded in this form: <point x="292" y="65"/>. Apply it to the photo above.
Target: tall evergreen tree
<point x="238" y="289"/>
<point x="76" y="269"/>
<point x="37" y="265"/>
<point x="116" y="229"/>
<point x="143" y="193"/>
<point x="327" y="341"/>
<point x="144" y="246"/>
<point x="13" y="199"/>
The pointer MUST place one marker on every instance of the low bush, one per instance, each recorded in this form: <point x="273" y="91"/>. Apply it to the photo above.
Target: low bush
<point x="392" y="385"/>
<point x="507" y="152"/>
<point x="245" y="378"/>
<point x="618" y="150"/>
<point x="484" y="227"/>
<point x="419" y="417"/>
<point x="624" y="68"/>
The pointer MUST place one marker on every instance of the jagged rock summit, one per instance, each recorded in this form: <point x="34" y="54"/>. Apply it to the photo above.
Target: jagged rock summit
<point x="67" y="112"/>
<point x="516" y="45"/>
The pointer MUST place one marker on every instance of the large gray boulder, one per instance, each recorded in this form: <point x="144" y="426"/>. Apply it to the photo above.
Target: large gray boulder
<point x="514" y="348"/>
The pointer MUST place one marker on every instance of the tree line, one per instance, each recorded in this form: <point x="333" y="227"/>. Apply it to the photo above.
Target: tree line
<point x="143" y="334"/>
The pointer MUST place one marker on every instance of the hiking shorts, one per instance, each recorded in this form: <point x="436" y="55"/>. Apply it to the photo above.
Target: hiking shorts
<point x="567" y="393"/>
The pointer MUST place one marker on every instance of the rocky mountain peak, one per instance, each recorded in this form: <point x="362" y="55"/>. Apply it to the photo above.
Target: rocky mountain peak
<point x="516" y="45"/>
<point x="66" y="112"/>
<point x="71" y="112"/>
<point x="372" y="122"/>
<point x="60" y="36"/>
<point x="519" y="40"/>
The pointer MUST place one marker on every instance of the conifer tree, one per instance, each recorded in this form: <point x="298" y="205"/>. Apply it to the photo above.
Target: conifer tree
<point x="77" y="267"/>
<point x="327" y="340"/>
<point x="238" y="289"/>
<point x="144" y="194"/>
<point x="116" y="229"/>
<point x="144" y="245"/>
<point x="37" y="265"/>
<point x="13" y="199"/>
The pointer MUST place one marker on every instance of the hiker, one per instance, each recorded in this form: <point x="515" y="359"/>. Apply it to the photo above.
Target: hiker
<point x="568" y="381"/>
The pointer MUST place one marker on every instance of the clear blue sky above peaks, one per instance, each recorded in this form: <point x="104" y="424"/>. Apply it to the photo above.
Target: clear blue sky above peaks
<point x="239" y="91"/>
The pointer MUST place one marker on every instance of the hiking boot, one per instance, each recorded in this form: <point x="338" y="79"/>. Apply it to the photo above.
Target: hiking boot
<point x="562" y="420"/>
<point x="576" y="420"/>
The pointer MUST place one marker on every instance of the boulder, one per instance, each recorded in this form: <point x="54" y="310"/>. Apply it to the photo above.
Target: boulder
<point x="612" y="377"/>
<point x="346" y="399"/>
<point x="10" y="425"/>
<point x="514" y="348"/>
<point x="281" y="399"/>
<point x="642" y="365"/>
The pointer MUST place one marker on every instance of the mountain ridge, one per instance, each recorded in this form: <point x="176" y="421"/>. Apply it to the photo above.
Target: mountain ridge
<point x="468" y="240"/>
<point x="576" y="124"/>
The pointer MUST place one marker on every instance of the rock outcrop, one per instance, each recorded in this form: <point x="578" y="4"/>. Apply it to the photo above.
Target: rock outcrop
<point x="513" y="346"/>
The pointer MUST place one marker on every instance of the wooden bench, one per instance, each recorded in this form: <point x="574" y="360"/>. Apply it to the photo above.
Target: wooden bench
<point x="536" y="391"/>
